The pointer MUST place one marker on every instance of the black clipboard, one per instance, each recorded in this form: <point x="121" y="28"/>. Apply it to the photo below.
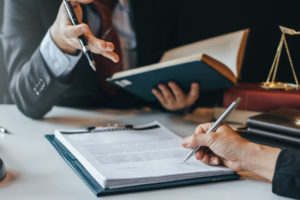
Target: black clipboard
<point x="99" y="191"/>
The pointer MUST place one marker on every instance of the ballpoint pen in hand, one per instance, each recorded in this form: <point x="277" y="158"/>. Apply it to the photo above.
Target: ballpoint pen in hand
<point x="82" y="39"/>
<point x="216" y="125"/>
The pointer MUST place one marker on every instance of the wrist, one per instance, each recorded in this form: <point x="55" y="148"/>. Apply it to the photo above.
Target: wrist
<point x="260" y="159"/>
<point x="249" y="156"/>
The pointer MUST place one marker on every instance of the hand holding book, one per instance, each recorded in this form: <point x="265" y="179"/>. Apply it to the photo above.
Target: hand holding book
<point x="214" y="63"/>
<point x="173" y="98"/>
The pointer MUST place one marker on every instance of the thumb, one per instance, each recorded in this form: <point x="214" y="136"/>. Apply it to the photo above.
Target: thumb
<point x="196" y="140"/>
<point x="74" y="3"/>
<point x="76" y="31"/>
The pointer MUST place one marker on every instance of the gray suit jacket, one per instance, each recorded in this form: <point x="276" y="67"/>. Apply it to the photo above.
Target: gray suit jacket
<point x="34" y="89"/>
<point x="3" y="81"/>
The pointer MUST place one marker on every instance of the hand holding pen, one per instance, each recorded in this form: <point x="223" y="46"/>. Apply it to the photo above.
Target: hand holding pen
<point x="215" y="125"/>
<point x="66" y="35"/>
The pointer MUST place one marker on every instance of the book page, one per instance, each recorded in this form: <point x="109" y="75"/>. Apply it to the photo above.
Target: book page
<point x="224" y="48"/>
<point x="126" y="158"/>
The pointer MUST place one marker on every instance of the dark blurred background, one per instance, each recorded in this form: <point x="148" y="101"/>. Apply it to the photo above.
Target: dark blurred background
<point x="201" y="19"/>
<point x="214" y="17"/>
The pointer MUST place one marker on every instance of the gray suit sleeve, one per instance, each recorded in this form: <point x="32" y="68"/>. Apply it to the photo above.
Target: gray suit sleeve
<point x="59" y="63"/>
<point x="32" y="86"/>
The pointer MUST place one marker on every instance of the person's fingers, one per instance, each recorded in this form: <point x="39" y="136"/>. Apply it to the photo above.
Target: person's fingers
<point x="205" y="159"/>
<point x="95" y="44"/>
<point x="76" y="8"/>
<point x="193" y="94"/>
<point x="110" y="46"/>
<point x="111" y="55"/>
<point x="75" y="31"/>
<point x="199" y="154"/>
<point x="74" y="3"/>
<point x="108" y="54"/>
<point x="177" y="91"/>
<point x="160" y="97"/>
<point x="197" y="140"/>
<point x="205" y="155"/>
<point x="214" y="160"/>
<point x="167" y="93"/>
<point x="203" y="128"/>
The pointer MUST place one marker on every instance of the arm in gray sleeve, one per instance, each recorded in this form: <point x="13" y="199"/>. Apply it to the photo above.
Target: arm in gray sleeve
<point x="32" y="86"/>
<point x="59" y="63"/>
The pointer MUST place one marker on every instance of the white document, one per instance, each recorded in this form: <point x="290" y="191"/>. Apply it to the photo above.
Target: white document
<point x="134" y="157"/>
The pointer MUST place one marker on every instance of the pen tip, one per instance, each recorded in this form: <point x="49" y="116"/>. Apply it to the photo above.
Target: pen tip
<point x="93" y="65"/>
<point x="238" y="100"/>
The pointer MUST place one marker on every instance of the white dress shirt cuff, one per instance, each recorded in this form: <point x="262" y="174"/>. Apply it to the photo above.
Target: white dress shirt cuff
<point x="59" y="63"/>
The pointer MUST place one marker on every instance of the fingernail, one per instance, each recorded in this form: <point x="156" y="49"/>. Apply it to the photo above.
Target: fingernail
<point x="215" y="161"/>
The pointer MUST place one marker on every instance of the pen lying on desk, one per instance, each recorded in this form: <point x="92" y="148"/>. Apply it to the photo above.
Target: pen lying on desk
<point x="216" y="125"/>
<point x="84" y="45"/>
<point x="3" y="130"/>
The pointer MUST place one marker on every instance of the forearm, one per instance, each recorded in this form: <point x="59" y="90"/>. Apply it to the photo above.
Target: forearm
<point x="260" y="159"/>
<point x="33" y="88"/>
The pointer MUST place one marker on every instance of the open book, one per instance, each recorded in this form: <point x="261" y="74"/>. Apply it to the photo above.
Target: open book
<point x="143" y="155"/>
<point x="214" y="63"/>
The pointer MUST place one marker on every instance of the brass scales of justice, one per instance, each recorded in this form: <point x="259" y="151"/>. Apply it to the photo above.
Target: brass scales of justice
<point x="270" y="82"/>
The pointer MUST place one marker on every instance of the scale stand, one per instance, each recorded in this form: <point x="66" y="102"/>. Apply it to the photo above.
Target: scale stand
<point x="271" y="84"/>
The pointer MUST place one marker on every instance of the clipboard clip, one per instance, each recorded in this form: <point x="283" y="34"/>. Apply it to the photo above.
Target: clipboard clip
<point x="114" y="127"/>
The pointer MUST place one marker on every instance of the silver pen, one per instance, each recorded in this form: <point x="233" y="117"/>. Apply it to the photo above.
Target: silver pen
<point x="82" y="40"/>
<point x="216" y="125"/>
<point x="3" y="130"/>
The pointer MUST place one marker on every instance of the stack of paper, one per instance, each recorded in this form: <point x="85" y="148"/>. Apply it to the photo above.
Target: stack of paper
<point x="124" y="158"/>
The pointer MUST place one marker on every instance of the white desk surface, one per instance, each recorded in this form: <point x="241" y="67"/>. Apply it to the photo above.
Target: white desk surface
<point x="41" y="174"/>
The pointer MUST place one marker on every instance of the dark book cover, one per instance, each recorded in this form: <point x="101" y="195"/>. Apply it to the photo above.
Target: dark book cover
<point x="183" y="74"/>
<point x="284" y="121"/>
<point x="214" y="63"/>
<point x="280" y="137"/>
<point x="256" y="138"/>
